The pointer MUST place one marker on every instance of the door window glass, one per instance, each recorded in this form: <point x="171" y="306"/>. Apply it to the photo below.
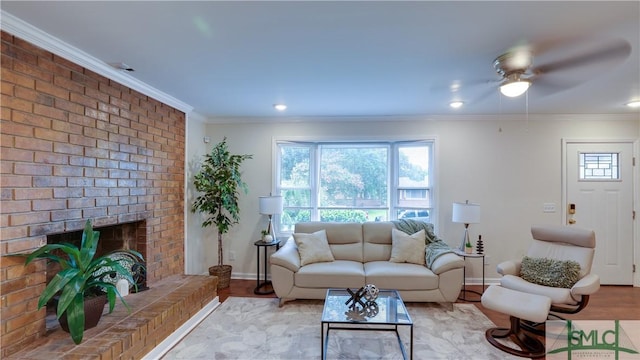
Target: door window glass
<point x="599" y="166"/>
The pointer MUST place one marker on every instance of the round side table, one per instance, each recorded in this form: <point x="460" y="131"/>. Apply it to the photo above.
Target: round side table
<point x="464" y="291"/>
<point x="261" y="284"/>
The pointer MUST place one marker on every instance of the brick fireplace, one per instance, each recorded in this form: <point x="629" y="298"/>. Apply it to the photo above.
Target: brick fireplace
<point x="76" y="145"/>
<point x="127" y="236"/>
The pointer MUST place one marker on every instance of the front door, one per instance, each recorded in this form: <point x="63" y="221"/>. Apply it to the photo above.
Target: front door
<point x="599" y="196"/>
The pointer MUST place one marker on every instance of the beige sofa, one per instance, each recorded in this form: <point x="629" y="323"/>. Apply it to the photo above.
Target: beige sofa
<point x="362" y="252"/>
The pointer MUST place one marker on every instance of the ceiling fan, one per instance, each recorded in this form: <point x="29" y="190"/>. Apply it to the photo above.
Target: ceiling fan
<point x="518" y="73"/>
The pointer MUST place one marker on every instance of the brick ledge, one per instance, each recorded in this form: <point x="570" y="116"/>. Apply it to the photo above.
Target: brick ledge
<point x="172" y="340"/>
<point x="155" y="315"/>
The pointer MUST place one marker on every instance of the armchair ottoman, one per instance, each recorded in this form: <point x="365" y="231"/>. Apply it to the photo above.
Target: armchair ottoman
<point x="519" y="306"/>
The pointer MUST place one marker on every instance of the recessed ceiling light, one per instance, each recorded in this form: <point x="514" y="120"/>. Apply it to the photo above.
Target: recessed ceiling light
<point x="456" y="104"/>
<point x="634" y="104"/>
<point x="280" y="107"/>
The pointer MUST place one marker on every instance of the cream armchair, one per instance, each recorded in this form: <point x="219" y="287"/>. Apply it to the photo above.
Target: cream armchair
<point x="553" y="277"/>
<point x="557" y="243"/>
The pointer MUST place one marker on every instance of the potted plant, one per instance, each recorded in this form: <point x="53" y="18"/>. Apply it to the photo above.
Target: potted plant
<point x="266" y="237"/>
<point x="81" y="283"/>
<point x="219" y="181"/>
<point x="468" y="248"/>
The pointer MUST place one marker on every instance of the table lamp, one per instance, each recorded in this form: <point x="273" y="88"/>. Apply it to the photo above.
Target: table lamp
<point x="466" y="213"/>
<point x="271" y="205"/>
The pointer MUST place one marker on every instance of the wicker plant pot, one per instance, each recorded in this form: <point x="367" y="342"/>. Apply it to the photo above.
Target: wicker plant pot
<point x="93" y="308"/>
<point x="223" y="272"/>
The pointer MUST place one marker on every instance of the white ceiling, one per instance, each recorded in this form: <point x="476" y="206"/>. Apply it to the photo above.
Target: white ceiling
<point x="354" y="59"/>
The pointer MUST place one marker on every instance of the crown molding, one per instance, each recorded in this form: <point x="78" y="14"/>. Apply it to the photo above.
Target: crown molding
<point x="221" y="120"/>
<point x="32" y="34"/>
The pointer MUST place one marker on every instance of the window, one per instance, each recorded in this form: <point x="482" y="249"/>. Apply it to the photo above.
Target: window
<point x="354" y="181"/>
<point x="599" y="166"/>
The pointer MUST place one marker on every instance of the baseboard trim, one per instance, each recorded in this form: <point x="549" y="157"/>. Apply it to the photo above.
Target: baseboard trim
<point x="478" y="281"/>
<point x="182" y="331"/>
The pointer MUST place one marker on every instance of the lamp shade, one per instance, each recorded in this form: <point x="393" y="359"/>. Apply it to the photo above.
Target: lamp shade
<point x="466" y="213"/>
<point x="270" y="205"/>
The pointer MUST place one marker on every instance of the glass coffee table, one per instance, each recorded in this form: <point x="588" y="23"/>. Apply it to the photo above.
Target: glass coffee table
<point x="387" y="314"/>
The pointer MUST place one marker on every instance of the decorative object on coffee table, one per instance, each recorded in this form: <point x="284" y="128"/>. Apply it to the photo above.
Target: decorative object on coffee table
<point x="359" y="310"/>
<point x="371" y="292"/>
<point x="466" y="213"/>
<point x="356" y="298"/>
<point x="219" y="181"/>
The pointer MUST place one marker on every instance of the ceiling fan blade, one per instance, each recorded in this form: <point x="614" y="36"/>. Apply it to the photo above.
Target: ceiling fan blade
<point x="543" y="86"/>
<point x="616" y="50"/>
<point x="490" y="90"/>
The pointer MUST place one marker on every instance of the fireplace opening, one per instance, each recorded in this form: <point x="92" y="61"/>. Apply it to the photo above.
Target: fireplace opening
<point x="123" y="236"/>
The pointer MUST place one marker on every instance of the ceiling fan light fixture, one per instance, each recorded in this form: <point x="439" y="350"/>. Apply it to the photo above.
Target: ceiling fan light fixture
<point x="514" y="87"/>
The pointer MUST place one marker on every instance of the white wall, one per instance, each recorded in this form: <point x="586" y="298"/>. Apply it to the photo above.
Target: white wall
<point x="199" y="243"/>
<point x="509" y="166"/>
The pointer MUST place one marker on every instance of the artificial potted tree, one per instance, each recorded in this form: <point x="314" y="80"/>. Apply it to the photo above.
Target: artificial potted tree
<point x="83" y="285"/>
<point x="219" y="181"/>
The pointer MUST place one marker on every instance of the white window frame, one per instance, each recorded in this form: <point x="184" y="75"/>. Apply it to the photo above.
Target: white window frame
<point x="392" y="182"/>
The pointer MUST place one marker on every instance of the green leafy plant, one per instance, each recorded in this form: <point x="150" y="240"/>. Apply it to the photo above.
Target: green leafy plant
<point x="82" y="275"/>
<point x="220" y="181"/>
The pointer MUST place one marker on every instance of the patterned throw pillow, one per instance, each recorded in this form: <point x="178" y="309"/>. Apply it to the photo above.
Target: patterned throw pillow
<point x="550" y="272"/>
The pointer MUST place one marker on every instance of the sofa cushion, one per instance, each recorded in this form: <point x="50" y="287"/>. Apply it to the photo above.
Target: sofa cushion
<point x="377" y="240"/>
<point x="336" y="274"/>
<point x="557" y="295"/>
<point x="345" y="239"/>
<point x="313" y="248"/>
<point x="400" y="276"/>
<point x="407" y="248"/>
<point x="581" y="255"/>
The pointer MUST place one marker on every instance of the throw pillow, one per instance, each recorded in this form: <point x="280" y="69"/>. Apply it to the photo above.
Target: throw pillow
<point x="550" y="272"/>
<point x="313" y="248"/>
<point x="407" y="248"/>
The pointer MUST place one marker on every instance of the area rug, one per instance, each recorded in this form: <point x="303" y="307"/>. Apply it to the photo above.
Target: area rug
<point x="256" y="328"/>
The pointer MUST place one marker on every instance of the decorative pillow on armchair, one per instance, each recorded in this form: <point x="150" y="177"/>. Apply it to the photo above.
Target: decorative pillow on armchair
<point x="549" y="272"/>
<point x="407" y="248"/>
<point x="313" y="248"/>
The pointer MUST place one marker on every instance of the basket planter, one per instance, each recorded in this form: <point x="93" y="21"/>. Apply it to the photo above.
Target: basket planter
<point x="223" y="272"/>
<point x="93" y="308"/>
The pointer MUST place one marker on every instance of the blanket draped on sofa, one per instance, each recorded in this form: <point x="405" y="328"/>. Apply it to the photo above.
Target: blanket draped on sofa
<point x="435" y="246"/>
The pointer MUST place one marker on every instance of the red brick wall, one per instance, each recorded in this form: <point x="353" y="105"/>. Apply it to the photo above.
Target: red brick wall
<point x="75" y="146"/>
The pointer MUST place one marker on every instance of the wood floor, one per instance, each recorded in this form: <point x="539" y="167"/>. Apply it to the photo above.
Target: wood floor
<point x="609" y="303"/>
